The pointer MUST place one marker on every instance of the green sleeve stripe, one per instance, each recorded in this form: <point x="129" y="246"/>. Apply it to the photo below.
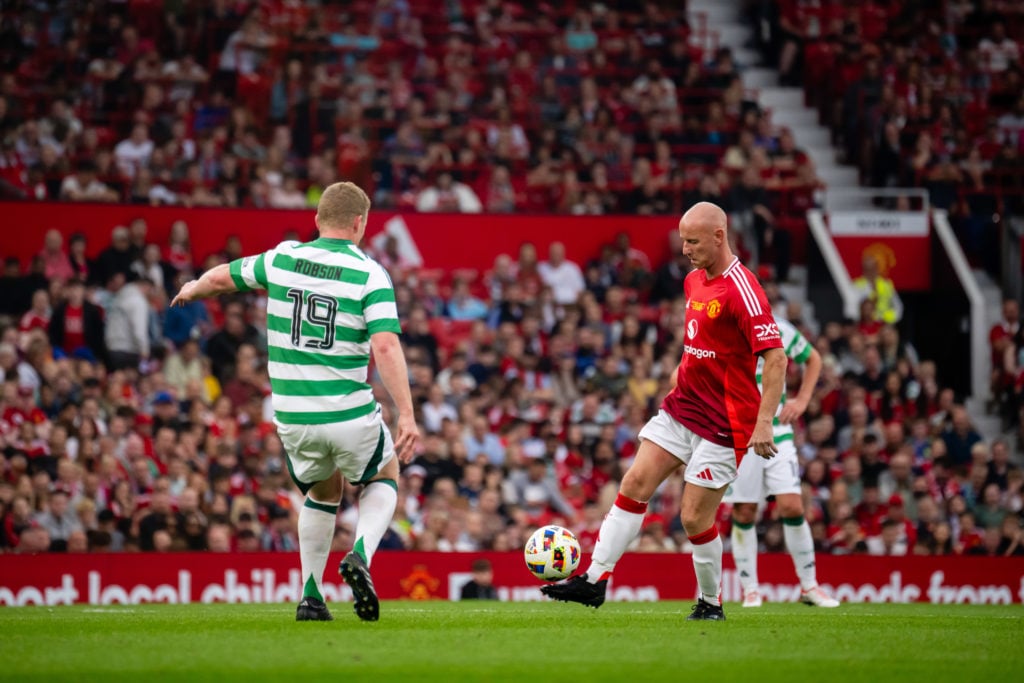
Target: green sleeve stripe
<point x="793" y="342"/>
<point x="328" y="387"/>
<point x="783" y="437"/>
<point x="276" y="323"/>
<point x="384" y="325"/>
<point x="261" y="271"/>
<point x="803" y="356"/>
<point x="379" y="296"/>
<point x="235" y="268"/>
<point x="326" y="417"/>
<point x="280" y="354"/>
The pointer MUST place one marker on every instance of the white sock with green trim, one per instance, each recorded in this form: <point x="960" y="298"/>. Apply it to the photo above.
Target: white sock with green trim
<point x="376" y="509"/>
<point x="800" y="544"/>
<point x="316" y="531"/>
<point x="744" y="554"/>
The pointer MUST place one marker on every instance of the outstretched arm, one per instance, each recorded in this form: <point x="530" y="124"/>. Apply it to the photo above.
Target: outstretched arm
<point x="214" y="282"/>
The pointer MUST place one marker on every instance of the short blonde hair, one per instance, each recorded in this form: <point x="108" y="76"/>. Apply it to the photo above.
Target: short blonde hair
<point x="340" y="204"/>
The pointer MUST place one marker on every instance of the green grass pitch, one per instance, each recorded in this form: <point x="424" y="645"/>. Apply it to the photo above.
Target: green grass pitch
<point x="490" y="641"/>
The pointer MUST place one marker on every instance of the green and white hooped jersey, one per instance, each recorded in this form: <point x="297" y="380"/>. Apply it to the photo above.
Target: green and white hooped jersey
<point x="797" y="349"/>
<point x="324" y="300"/>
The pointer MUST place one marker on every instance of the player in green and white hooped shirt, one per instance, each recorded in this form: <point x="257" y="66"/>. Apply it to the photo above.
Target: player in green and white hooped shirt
<point x="758" y="478"/>
<point x="328" y="306"/>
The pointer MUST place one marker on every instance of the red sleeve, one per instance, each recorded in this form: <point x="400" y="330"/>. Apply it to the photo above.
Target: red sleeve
<point x="996" y="333"/>
<point x="753" y="314"/>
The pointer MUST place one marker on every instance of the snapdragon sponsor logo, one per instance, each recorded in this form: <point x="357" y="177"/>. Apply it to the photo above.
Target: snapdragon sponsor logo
<point x="895" y="590"/>
<point x="699" y="353"/>
<point x="263" y="585"/>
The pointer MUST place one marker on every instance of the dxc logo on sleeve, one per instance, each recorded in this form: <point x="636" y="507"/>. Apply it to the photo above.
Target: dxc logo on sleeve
<point x="766" y="331"/>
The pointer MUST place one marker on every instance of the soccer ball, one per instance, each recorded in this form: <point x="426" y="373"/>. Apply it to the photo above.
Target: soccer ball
<point x="552" y="553"/>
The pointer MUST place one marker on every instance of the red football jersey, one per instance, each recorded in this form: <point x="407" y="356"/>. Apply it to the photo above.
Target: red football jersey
<point x="728" y="322"/>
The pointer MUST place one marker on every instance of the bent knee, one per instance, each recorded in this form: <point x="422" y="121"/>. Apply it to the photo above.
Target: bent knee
<point x="744" y="513"/>
<point x="791" y="511"/>
<point x="638" y="485"/>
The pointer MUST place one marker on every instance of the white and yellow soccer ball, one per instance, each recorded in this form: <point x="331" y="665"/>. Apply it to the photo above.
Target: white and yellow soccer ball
<point x="552" y="553"/>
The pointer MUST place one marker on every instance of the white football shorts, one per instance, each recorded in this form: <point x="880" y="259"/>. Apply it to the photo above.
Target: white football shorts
<point x="708" y="464"/>
<point x="759" y="478"/>
<point x="359" y="448"/>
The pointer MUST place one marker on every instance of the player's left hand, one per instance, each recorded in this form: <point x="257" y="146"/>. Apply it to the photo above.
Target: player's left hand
<point x="408" y="438"/>
<point x="763" y="441"/>
<point x="185" y="293"/>
<point x="792" y="410"/>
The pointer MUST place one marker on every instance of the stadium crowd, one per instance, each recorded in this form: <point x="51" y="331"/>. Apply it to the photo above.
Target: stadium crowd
<point x="922" y="94"/>
<point x="583" y="108"/>
<point x="126" y="425"/>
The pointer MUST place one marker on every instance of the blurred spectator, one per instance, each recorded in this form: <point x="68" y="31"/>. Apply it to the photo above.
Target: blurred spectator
<point x="960" y="437"/>
<point x="535" y="491"/>
<point x="479" y="441"/>
<point x="117" y="258"/>
<point x="464" y="306"/>
<point x="56" y="265"/>
<point x="83" y="185"/>
<point x="872" y="285"/>
<point x="448" y="195"/>
<point x="889" y="543"/>
<point x="998" y="51"/>
<point x="38" y="316"/>
<point x="184" y="368"/>
<point x="127" y="322"/>
<point x="133" y="153"/>
<point x="77" y="324"/>
<point x="481" y="586"/>
<point x="222" y="347"/>
<point x="58" y="520"/>
<point x="563" y="276"/>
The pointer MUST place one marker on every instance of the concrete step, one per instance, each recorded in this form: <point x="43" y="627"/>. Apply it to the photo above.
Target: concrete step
<point x="760" y="78"/>
<point x="797" y="119"/>
<point x="746" y="57"/>
<point x="839" y="176"/>
<point x="778" y="99"/>
<point x="717" y="11"/>
<point x="812" y="136"/>
<point x="731" y="34"/>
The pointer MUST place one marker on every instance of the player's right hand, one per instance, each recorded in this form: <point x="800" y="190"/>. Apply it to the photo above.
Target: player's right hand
<point x="185" y="294"/>
<point x="408" y="439"/>
<point x="763" y="441"/>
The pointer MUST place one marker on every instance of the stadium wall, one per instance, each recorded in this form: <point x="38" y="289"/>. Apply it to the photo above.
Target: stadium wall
<point x="445" y="241"/>
<point x="259" y="577"/>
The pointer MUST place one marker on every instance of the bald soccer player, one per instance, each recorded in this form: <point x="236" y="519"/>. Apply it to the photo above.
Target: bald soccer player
<point x="709" y="420"/>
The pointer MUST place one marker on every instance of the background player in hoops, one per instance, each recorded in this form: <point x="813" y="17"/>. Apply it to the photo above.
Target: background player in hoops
<point x="779" y="477"/>
<point x="707" y="422"/>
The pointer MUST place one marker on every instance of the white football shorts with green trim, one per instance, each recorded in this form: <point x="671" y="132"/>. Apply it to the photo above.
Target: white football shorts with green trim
<point x="359" y="448"/>
<point x="759" y="478"/>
